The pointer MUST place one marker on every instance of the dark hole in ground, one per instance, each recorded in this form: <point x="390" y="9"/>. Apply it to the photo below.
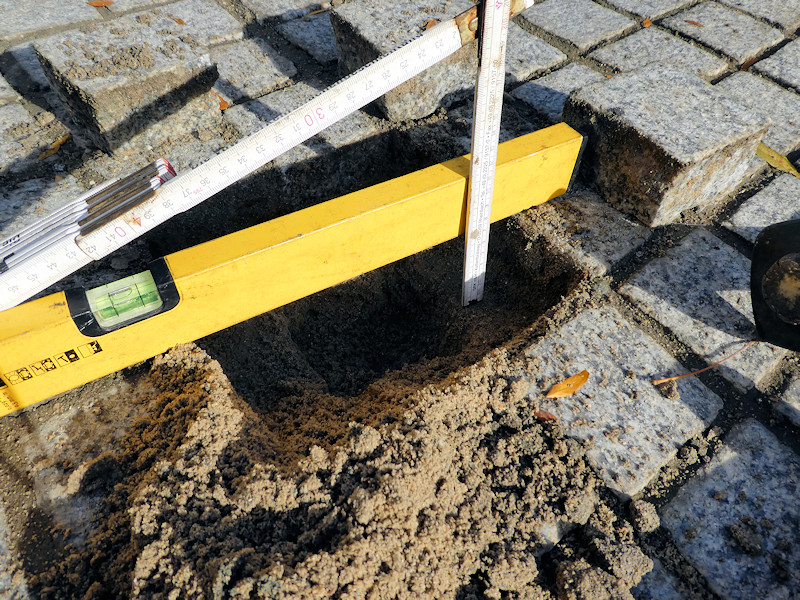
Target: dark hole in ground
<point x="356" y="352"/>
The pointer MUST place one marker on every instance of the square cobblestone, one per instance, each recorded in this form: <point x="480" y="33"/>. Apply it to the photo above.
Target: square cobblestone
<point x="655" y="45"/>
<point x="650" y="9"/>
<point x="284" y="10"/>
<point x="588" y="230"/>
<point x="547" y="94"/>
<point x="779" y="201"/>
<point x="737" y="520"/>
<point x="650" y="154"/>
<point x="367" y="29"/>
<point x="658" y="584"/>
<point x="20" y="19"/>
<point x="725" y="30"/>
<point x="633" y="429"/>
<point x="529" y="55"/>
<point x="123" y="6"/>
<point x="782" y="66"/>
<point x="788" y="404"/>
<point x="781" y="106"/>
<point x="700" y="291"/>
<point x="117" y="77"/>
<point x="7" y="93"/>
<point x="783" y="13"/>
<point x="581" y="24"/>
<point x="314" y="35"/>
<point x="249" y="69"/>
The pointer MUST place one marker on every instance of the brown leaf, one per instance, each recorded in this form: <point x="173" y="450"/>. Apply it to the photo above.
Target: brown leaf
<point x="100" y="3"/>
<point x="568" y="386"/>
<point x="747" y="64"/>
<point x="647" y="23"/>
<point x="543" y="415"/>
<point x="177" y="20"/>
<point x="692" y="22"/>
<point x="223" y="104"/>
<point x="429" y="24"/>
<point x="53" y="147"/>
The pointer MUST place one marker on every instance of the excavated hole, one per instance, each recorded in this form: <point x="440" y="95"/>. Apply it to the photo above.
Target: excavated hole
<point x="356" y="352"/>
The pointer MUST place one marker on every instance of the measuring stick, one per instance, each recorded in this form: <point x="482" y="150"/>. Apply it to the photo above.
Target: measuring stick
<point x="485" y="137"/>
<point x="189" y="189"/>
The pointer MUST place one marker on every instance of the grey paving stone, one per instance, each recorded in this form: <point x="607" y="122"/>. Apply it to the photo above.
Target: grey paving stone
<point x="782" y="66"/>
<point x="725" y="30"/>
<point x="650" y="9"/>
<point x="249" y="69"/>
<point x="281" y="9"/>
<point x="788" y="405"/>
<point x="7" y="93"/>
<point x="20" y="19"/>
<point x="650" y="153"/>
<point x="547" y="94"/>
<point x="529" y="55"/>
<point x="365" y="29"/>
<point x="633" y="428"/>
<point x="589" y="231"/>
<point x="31" y="200"/>
<point x="24" y="137"/>
<point x="655" y="45"/>
<point x="658" y="584"/>
<point x="117" y="77"/>
<point x="314" y="35"/>
<point x="27" y="63"/>
<point x="123" y="6"/>
<point x="779" y="201"/>
<point x="737" y="520"/>
<point x="700" y="290"/>
<point x="582" y="24"/>
<point x="781" y="106"/>
<point x="783" y="13"/>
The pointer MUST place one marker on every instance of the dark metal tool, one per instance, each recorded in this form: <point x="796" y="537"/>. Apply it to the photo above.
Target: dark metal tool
<point x="775" y="284"/>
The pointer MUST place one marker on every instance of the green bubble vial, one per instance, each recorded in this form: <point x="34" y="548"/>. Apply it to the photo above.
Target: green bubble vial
<point x="123" y="301"/>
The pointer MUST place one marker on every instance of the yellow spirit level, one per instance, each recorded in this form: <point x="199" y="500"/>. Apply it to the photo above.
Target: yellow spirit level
<point x="64" y="340"/>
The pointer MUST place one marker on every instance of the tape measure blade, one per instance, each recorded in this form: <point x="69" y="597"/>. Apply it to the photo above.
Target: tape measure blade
<point x="485" y="138"/>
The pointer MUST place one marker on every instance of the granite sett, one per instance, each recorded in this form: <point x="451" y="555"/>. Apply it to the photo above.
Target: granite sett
<point x="778" y="201"/>
<point x="782" y="66"/>
<point x="548" y="94"/>
<point x="663" y="141"/>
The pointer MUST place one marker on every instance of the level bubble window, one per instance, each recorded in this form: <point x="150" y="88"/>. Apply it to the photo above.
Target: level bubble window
<point x="129" y="299"/>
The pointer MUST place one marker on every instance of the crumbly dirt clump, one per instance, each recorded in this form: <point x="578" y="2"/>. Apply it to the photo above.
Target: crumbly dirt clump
<point x="459" y="499"/>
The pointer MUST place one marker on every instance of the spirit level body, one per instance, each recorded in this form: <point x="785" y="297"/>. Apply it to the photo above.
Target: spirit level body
<point x="43" y="352"/>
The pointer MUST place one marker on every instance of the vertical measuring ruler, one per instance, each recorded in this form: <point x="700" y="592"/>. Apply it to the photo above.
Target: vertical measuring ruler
<point x="485" y="138"/>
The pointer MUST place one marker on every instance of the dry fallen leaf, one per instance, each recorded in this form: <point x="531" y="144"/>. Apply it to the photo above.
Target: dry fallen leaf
<point x="53" y="147"/>
<point x="747" y="64"/>
<point x="777" y="160"/>
<point x="100" y="3"/>
<point x="647" y="23"/>
<point x="568" y="386"/>
<point x="692" y="22"/>
<point x="543" y="415"/>
<point x="223" y="104"/>
<point x="177" y="20"/>
<point x="429" y="24"/>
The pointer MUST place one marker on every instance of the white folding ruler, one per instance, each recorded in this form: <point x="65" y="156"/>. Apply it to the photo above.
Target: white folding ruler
<point x="111" y="215"/>
<point x="485" y="137"/>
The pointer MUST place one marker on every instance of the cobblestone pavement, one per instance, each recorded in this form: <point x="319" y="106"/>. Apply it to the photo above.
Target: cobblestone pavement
<point x="675" y="96"/>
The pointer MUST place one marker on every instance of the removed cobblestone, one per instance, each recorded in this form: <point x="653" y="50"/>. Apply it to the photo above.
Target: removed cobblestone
<point x="648" y="152"/>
